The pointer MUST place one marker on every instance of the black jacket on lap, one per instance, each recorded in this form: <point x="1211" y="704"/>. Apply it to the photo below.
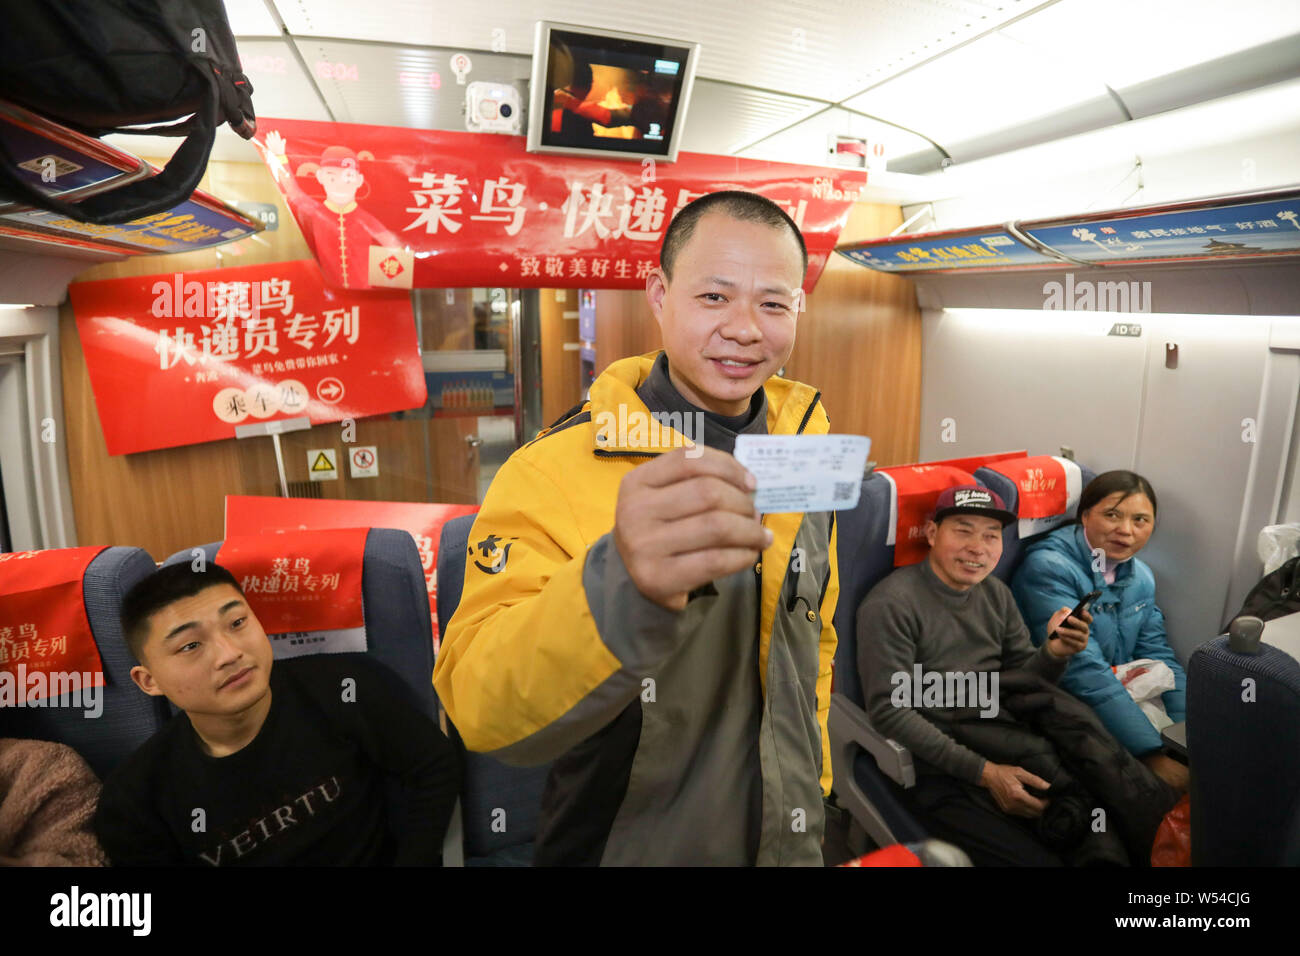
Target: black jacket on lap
<point x="1059" y="738"/>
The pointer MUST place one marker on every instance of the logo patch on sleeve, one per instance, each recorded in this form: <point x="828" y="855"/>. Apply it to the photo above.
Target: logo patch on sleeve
<point x="492" y="554"/>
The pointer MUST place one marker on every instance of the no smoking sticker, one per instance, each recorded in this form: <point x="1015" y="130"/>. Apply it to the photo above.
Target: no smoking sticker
<point x="364" y="461"/>
<point x="322" y="464"/>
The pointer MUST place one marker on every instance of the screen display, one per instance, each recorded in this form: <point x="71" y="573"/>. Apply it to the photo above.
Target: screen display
<point x="610" y="94"/>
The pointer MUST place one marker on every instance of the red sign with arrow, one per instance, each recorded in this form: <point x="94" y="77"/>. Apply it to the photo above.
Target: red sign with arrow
<point x="187" y="357"/>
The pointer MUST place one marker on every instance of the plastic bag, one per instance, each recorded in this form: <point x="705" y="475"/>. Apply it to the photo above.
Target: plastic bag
<point x="1173" y="843"/>
<point x="1145" y="680"/>
<point x="1278" y="544"/>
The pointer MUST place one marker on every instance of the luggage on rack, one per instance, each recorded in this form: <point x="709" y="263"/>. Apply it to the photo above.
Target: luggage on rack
<point x="101" y="66"/>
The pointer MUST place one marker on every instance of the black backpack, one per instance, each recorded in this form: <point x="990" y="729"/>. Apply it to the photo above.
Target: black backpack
<point x="98" y="66"/>
<point x="1276" y="595"/>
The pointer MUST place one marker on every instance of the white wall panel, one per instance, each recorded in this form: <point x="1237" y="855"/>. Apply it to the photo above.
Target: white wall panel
<point x="1038" y="380"/>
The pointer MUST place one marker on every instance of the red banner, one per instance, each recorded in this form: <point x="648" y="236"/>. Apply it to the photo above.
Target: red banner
<point x="251" y="514"/>
<point x="916" y="489"/>
<point x="978" y="461"/>
<point x="185" y="358"/>
<point x="1041" y="483"/>
<point x="392" y="207"/>
<point x="299" y="581"/>
<point x="43" y="623"/>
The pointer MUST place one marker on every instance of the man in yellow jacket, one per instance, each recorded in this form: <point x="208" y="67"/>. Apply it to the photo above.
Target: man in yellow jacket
<point x="627" y="613"/>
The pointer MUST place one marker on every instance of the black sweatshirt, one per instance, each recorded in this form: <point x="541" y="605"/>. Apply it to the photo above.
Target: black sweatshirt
<point x="327" y="781"/>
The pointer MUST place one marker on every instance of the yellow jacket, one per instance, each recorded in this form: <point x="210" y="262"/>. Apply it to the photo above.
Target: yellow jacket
<point x="527" y="670"/>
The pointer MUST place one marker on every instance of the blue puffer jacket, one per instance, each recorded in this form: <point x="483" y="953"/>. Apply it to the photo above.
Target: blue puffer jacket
<point x="1126" y="625"/>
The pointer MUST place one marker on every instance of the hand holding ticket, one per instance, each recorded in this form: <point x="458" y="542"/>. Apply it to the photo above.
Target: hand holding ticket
<point x="682" y="521"/>
<point x="804" y="472"/>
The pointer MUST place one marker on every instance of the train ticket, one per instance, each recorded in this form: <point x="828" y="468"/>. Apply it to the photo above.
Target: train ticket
<point x="804" y="472"/>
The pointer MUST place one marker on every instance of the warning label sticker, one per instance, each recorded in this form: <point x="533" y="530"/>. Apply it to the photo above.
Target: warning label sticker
<point x="322" y="464"/>
<point x="364" y="461"/>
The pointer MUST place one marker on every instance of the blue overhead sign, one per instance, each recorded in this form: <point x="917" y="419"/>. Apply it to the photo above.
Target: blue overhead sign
<point x="191" y="225"/>
<point x="980" y="249"/>
<point x="1239" y="230"/>
<point x="56" y="160"/>
<point x="53" y="167"/>
<point x="1267" y="224"/>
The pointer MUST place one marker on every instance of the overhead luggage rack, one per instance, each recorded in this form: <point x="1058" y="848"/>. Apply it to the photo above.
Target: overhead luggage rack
<point x="1232" y="228"/>
<point x="72" y="166"/>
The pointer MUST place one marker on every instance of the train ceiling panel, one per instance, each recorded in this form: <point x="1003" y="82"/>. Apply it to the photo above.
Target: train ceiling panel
<point x="932" y="79"/>
<point x="251" y="18"/>
<point x="730" y="117"/>
<point x="824" y="49"/>
<point x="1123" y="43"/>
<point x="398" y="85"/>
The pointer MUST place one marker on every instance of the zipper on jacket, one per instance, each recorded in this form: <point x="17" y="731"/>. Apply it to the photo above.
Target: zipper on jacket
<point x="790" y="605"/>
<point x="808" y="414"/>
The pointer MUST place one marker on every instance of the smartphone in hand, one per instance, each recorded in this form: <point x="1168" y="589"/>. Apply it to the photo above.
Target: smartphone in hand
<point x="1078" y="609"/>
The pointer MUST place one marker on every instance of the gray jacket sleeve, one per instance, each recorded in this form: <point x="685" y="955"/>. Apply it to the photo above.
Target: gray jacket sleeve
<point x="1017" y="650"/>
<point x="639" y="632"/>
<point x="887" y="646"/>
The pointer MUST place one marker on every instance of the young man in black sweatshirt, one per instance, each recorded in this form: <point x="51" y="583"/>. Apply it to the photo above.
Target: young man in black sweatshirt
<point x="320" y="760"/>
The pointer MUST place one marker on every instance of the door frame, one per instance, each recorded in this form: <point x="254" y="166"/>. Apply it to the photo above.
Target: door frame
<point x="38" y="495"/>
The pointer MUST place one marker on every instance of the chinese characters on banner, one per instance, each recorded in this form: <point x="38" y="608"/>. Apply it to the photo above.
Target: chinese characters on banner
<point x="251" y="514"/>
<point x="991" y="248"/>
<point x="388" y="207"/>
<point x="304" y="587"/>
<point x="1186" y="231"/>
<point x="1238" y="231"/>
<point x="184" y="358"/>
<point x="43" y="622"/>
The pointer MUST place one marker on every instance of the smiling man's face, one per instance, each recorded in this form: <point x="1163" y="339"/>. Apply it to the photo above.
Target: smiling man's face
<point x="964" y="549"/>
<point x="206" y="653"/>
<point x="728" y="313"/>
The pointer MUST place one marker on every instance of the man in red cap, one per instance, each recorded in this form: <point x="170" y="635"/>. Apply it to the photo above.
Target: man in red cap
<point x="339" y="232"/>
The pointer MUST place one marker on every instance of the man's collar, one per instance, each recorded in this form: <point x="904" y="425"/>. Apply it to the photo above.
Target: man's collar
<point x="614" y="394"/>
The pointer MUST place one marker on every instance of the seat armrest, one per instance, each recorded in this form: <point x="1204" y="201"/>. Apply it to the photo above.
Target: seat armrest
<point x="849" y="726"/>
<point x="1174" y="738"/>
<point x="849" y="730"/>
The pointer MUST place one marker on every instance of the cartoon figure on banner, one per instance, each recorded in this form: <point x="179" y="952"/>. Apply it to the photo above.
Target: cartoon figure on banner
<point x="354" y="249"/>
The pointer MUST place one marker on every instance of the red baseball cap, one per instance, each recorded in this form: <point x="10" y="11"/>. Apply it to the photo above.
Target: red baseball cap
<point x="972" y="500"/>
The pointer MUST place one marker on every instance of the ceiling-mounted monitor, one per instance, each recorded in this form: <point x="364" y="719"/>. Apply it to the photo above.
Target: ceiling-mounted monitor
<point x="605" y="93"/>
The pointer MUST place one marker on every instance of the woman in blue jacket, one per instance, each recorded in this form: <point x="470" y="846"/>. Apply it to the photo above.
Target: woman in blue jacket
<point x="1117" y="513"/>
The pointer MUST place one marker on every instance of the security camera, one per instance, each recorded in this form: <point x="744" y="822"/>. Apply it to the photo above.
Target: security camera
<point x="493" y="108"/>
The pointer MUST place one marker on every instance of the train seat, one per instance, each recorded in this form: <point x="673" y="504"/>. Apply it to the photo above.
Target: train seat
<point x="395" y="600"/>
<point x="129" y="716"/>
<point x="869" y="769"/>
<point x="881" y="768"/>
<point x="500" y="804"/>
<point x="1004" y="477"/>
<point x="1244" y="754"/>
